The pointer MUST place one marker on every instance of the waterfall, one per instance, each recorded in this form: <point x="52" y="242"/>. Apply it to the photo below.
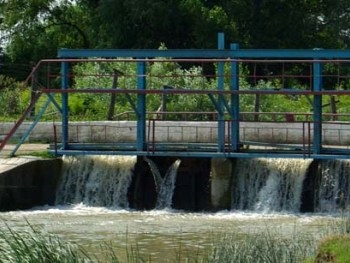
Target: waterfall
<point x="164" y="186"/>
<point x="166" y="190"/>
<point x="96" y="180"/>
<point x="268" y="184"/>
<point x="155" y="172"/>
<point x="335" y="176"/>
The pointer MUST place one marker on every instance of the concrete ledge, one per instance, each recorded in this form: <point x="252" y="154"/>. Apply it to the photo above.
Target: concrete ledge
<point x="26" y="182"/>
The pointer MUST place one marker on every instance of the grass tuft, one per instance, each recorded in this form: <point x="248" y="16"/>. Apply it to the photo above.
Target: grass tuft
<point x="36" y="245"/>
<point x="266" y="247"/>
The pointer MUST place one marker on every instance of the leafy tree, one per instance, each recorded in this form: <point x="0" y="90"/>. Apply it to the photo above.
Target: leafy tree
<point x="290" y="24"/>
<point x="140" y="24"/>
<point x="10" y="96"/>
<point x="35" y="29"/>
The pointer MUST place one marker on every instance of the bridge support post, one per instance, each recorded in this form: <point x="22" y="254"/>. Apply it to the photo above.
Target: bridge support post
<point x="64" y="86"/>
<point x="317" y="106"/>
<point x="234" y="103"/>
<point x="221" y="74"/>
<point x="141" y="106"/>
<point x="221" y="174"/>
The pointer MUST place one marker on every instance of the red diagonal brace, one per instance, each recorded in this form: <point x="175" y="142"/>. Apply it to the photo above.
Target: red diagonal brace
<point x="19" y="122"/>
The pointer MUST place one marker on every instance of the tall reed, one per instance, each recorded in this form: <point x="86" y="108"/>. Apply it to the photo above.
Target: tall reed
<point x="33" y="245"/>
<point x="266" y="247"/>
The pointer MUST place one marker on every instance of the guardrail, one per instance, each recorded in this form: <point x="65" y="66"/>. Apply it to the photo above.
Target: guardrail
<point x="244" y="116"/>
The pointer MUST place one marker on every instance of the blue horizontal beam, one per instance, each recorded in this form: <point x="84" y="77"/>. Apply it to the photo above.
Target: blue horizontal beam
<point x="209" y="151"/>
<point x="197" y="91"/>
<point x="207" y="53"/>
<point x="291" y="53"/>
<point x="203" y="154"/>
<point x="144" y="53"/>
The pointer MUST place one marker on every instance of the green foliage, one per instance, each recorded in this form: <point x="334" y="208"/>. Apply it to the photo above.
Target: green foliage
<point x="160" y="75"/>
<point x="35" y="29"/>
<point x="334" y="249"/>
<point x="11" y="93"/>
<point x="266" y="247"/>
<point x="101" y="75"/>
<point x="34" y="245"/>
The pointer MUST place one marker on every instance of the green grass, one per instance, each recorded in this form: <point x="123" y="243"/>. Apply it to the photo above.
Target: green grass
<point x="42" y="154"/>
<point x="334" y="249"/>
<point x="263" y="248"/>
<point x="34" y="245"/>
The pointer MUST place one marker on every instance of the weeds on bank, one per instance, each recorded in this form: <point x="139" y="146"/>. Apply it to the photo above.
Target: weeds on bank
<point x="42" y="154"/>
<point x="266" y="247"/>
<point x="341" y="226"/>
<point x="35" y="245"/>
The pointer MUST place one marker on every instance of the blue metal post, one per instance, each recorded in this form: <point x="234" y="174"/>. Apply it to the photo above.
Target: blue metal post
<point x="221" y="74"/>
<point x="64" y="85"/>
<point x="141" y="106"/>
<point x="31" y="127"/>
<point x="317" y="105"/>
<point x="234" y="102"/>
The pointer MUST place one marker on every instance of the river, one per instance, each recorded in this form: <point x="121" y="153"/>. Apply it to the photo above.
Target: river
<point x="162" y="234"/>
<point x="98" y="212"/>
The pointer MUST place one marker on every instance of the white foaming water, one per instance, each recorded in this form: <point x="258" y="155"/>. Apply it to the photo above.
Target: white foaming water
<point x="96" y="180"/>
<point x="260" y="185"/>
<point x="268" y="184"/>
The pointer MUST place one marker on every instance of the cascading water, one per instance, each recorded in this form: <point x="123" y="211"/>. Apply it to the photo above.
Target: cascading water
<point x="155" y="172"/>
<point x="257" y="184"/>
<point x="268" y="184"/>
<point x="96" y="180"/>
<point x="164" y="186"/>
<point x="335" y="176"/>
<point x="166" y="190"/>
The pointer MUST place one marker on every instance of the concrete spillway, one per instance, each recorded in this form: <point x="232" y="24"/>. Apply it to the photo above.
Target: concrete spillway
<point x="291" y="185"/>
<point x="27" y="181"/>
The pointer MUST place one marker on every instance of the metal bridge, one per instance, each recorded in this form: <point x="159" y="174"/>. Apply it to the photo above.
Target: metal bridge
<point x="223" y="77"/>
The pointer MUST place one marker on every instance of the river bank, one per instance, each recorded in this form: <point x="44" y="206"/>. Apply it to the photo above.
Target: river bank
<point x="24" y="149"/>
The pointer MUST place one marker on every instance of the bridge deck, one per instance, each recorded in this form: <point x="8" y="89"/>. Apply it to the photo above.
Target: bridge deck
<point x="247" y="150"/>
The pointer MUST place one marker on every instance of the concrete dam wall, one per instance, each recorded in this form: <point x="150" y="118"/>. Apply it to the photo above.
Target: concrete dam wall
<point x="26" y="182"/>
<point x="201" y="184"/>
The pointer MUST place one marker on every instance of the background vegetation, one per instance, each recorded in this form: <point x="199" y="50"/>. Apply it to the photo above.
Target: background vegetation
<point x="35" y="29"/>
